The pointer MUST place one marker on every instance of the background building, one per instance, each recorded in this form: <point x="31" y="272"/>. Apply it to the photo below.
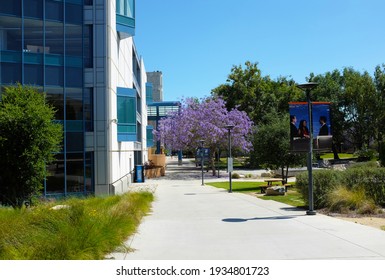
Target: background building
<point x="82" y="54"/>
<point x="156" y="79"/>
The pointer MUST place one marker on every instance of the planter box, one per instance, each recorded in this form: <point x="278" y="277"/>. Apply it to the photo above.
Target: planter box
<point x="154" y="172"/>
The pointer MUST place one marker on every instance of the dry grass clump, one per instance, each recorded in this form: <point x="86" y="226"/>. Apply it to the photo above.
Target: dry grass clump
<point x="344" y="200"/>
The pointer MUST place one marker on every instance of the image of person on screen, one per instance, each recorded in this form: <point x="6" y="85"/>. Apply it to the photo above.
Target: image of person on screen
<point x="293" y="127"/>
<point x="324" y="130"/>
<point x="303" y="131"/>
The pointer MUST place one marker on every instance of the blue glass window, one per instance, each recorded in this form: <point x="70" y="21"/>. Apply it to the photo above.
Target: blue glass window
<point x="33" y="8"/>
<point x="54" y="10"/>
<point x="88" y="103"/>
<point x="74" y="77"/>
<point x="55" y="97"/>
<point x="74" y="13"/>
<point x="74" y="109"/>
<point x="149" y="90"/>
<point x="10" y="73"/>
<point x="33" y="74"/>
<point x="54" y="76"/>
<point x="11" y="7"/>
<point x="74" y="141"/>
<point x="88" y="46"/>
<point x="125" y="8"/>
<point x="126" y="113"/>
<point x="75" y="172"/>
<point x="150" y="136"/>
<point x="55" y="179"/>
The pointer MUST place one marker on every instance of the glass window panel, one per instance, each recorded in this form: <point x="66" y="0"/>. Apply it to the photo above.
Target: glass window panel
<point x="74" y="40"/>
<point x="126" y="109"/>
<point x="88" y="46"/>
<point x="74" y="141"/>
<point x="54" y="10"/>
<point x="74" y="13"/>
<point x="55" y="177"/>
<point x="10" y="73"/>
<point x="88" y="108"/>
<point x="12" y="7"/>
<point x="75" y="172"/>
<point x="120" y="7"/>
<point x="129" y="9"/>
<point x="33" y="74"/>
<point x="54" y="75"/>
<point x="74" y="105"/>
<point x="33" y="36"/>
<point x="54" y="38"/>
<point x="74" y="77"/>
<point x="89" y="164"/>
<point x="10" y="33"/>
<point x="55" y="97"/>
<point x="126" y="128"/>
<point x="33" y="8"/>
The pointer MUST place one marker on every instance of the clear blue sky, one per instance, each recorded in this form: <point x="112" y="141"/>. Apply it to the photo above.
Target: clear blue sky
<point x="196" y="42"/>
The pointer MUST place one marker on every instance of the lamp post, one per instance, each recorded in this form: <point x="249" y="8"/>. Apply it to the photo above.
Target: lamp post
<point x="230" y="159"/>
<point x="307" y="88"/>
<point x="202" y="155"/>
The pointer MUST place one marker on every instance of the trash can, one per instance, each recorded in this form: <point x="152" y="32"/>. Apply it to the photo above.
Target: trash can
<point x="139" y="174"/>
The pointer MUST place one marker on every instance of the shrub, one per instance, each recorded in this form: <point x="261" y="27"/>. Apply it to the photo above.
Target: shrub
<point x="343" y="200"/>
<point x="324" y="181"/>
<point x="235" y="176"/>
<point x="366" y="164"/>
<point x="85" y="229"/>
<point x="365" y="154"/>
<point x="381" y="153"/>
<point x="372" y="180"/>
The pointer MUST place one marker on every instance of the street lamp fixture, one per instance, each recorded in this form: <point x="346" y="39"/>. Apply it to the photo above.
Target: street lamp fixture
<point x="307" y="88"/>
<point x="201" y="142"/>
<point x="230" y="159"/>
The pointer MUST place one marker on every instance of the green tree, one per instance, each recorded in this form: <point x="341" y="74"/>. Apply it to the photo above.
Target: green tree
<point x="379" y="81"/>
<point x="355" y="104"/>
<point x="246" y="88"/>
<point x="359" y="107"/>
<point x="28" y="139"/>
<point x="272" y="145"/>
<point x="330" y="89"/>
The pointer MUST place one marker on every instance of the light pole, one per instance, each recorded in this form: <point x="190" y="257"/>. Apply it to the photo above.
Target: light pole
<point x="202" y="155"/>
<point x="307" y="88"/>
<point x="230" y="159"/>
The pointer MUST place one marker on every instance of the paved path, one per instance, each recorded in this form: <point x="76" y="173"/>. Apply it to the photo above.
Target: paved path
<point x="190" y="221"/>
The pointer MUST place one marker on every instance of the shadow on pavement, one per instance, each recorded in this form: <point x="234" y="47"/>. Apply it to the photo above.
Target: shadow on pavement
<point x="241" y="220"/>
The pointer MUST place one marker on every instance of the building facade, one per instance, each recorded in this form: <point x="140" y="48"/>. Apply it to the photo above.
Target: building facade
<point x="81" y="53"/>
<point x="156" y="79"/>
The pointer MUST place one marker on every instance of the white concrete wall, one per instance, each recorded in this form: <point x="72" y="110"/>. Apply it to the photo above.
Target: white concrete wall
<point x="119" y="59"/>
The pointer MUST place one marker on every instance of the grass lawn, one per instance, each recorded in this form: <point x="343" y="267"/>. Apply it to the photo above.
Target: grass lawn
<point x="341" y="155"/>
<point x="292" y="197"/>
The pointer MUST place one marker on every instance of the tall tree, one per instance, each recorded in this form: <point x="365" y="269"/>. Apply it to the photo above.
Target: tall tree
<point x="359" y="97"/>
<point x="206" y="120"/>
<point x="379" y="81"/>
<point x="271" y="144"/>
<point x="246" y="88"/>
<point x="28" y="139"/>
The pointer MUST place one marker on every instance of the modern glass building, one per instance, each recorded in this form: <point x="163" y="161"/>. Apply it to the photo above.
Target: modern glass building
<point x="82" y="55"/>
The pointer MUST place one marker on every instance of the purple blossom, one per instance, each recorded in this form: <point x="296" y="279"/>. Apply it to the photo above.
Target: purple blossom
<point x="204" y="119"/>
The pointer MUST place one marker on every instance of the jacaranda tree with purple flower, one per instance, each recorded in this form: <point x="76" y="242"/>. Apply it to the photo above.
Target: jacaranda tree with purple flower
<point x="205" y="119"/>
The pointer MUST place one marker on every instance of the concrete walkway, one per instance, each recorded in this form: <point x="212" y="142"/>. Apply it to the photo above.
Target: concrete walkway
<point x="190" y="221"/>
